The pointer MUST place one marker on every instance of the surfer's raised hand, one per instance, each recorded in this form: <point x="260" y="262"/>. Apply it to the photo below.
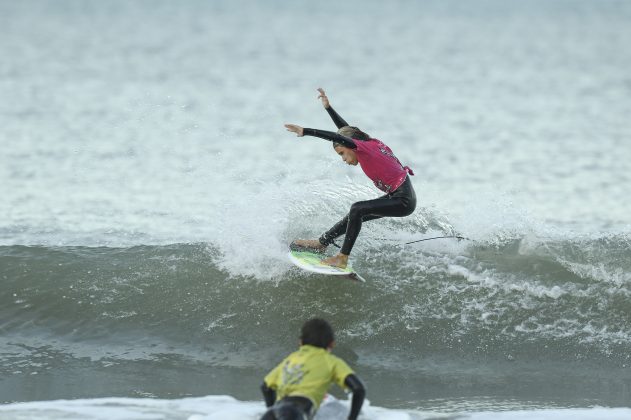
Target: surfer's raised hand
<point x="325" y="99"/>
<point x="295" y="129"/>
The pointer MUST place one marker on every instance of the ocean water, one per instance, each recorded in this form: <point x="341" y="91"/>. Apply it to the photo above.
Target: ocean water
<point x="149" y="191"/>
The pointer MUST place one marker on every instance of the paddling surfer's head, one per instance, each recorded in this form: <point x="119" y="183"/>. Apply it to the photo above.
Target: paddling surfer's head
<point x="318" y="333"/>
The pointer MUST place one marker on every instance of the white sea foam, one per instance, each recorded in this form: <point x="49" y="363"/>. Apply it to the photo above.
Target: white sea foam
<point x="229" y="408"/>
<point x="202" y="408"/>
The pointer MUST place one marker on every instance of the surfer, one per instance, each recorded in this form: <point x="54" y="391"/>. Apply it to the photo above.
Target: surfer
<point x="295" y="388"/>
<point x="379" y="164"/>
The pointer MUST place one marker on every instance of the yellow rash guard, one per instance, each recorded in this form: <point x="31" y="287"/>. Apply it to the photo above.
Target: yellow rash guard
<point x="308" y="373"/>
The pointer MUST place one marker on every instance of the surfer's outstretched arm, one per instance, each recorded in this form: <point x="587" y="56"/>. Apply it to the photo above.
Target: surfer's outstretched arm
<point x="331" y="136"/>
<point x="323" y="134"/>
<point x="337" y="119"/>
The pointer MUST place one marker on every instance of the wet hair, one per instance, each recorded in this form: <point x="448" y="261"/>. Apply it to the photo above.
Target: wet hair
<point x="352" y="132"/>
<point x="317" y="332"/>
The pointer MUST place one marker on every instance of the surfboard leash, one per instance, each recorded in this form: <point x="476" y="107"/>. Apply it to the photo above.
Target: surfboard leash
<point x="460" y="238"/>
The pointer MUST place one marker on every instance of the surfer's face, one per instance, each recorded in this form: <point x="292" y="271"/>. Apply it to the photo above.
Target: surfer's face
<point x="348" y="155"/>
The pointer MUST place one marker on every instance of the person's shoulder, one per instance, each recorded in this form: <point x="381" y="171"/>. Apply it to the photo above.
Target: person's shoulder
<point x="296" y="353"/>
<point x="290" y="356"/>
<point x="369" y="144"/>
<point x="336" y="359"/>
<point x="362" y="144"/>
<point x="339" y="369"/>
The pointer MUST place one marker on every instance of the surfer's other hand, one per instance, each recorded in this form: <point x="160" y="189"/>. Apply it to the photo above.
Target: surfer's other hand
<point x="295" y="129"/>
<point x="325" y="99"/>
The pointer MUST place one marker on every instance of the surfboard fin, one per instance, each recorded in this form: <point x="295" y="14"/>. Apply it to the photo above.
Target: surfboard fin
<point x="356" y="277"/>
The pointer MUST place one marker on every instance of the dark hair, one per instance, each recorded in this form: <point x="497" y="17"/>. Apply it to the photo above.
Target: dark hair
<point x="317" y="332"/>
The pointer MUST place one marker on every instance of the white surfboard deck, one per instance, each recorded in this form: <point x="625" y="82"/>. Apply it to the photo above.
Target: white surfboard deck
<point x="311" y="261"/>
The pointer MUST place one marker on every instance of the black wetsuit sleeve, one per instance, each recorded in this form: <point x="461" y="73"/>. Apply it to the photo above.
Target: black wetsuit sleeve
<point x="339" y="121"/>
<point x="331" y="136"/>
<point x="268" y="394"/>
<point x="359" y="393"/>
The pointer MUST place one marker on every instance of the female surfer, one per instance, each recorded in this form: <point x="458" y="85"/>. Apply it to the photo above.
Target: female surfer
<point x="379" y="164"/>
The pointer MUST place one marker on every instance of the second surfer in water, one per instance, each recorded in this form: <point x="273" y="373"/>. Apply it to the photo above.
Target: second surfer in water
<point x="379" y="164"/>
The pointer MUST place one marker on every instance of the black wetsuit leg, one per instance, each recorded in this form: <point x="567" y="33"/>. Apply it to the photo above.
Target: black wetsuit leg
<point x="399" y="203"/>
<point x="289" y="408"/>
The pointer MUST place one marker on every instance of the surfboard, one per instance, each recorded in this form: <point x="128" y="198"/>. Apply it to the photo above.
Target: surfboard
<point x="312" y="261"/>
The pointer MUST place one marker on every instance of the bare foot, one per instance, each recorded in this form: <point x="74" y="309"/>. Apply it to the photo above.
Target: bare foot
<point x="339" y="260"/>
<point x="311" y="244"/>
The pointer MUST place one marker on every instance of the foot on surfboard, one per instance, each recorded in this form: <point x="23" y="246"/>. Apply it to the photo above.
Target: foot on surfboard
<point x="339" y="260"/>
<point x="312" y="245"/>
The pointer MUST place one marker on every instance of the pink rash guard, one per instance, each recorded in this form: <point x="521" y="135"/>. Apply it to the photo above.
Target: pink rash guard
<point x="381" y="165"/>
